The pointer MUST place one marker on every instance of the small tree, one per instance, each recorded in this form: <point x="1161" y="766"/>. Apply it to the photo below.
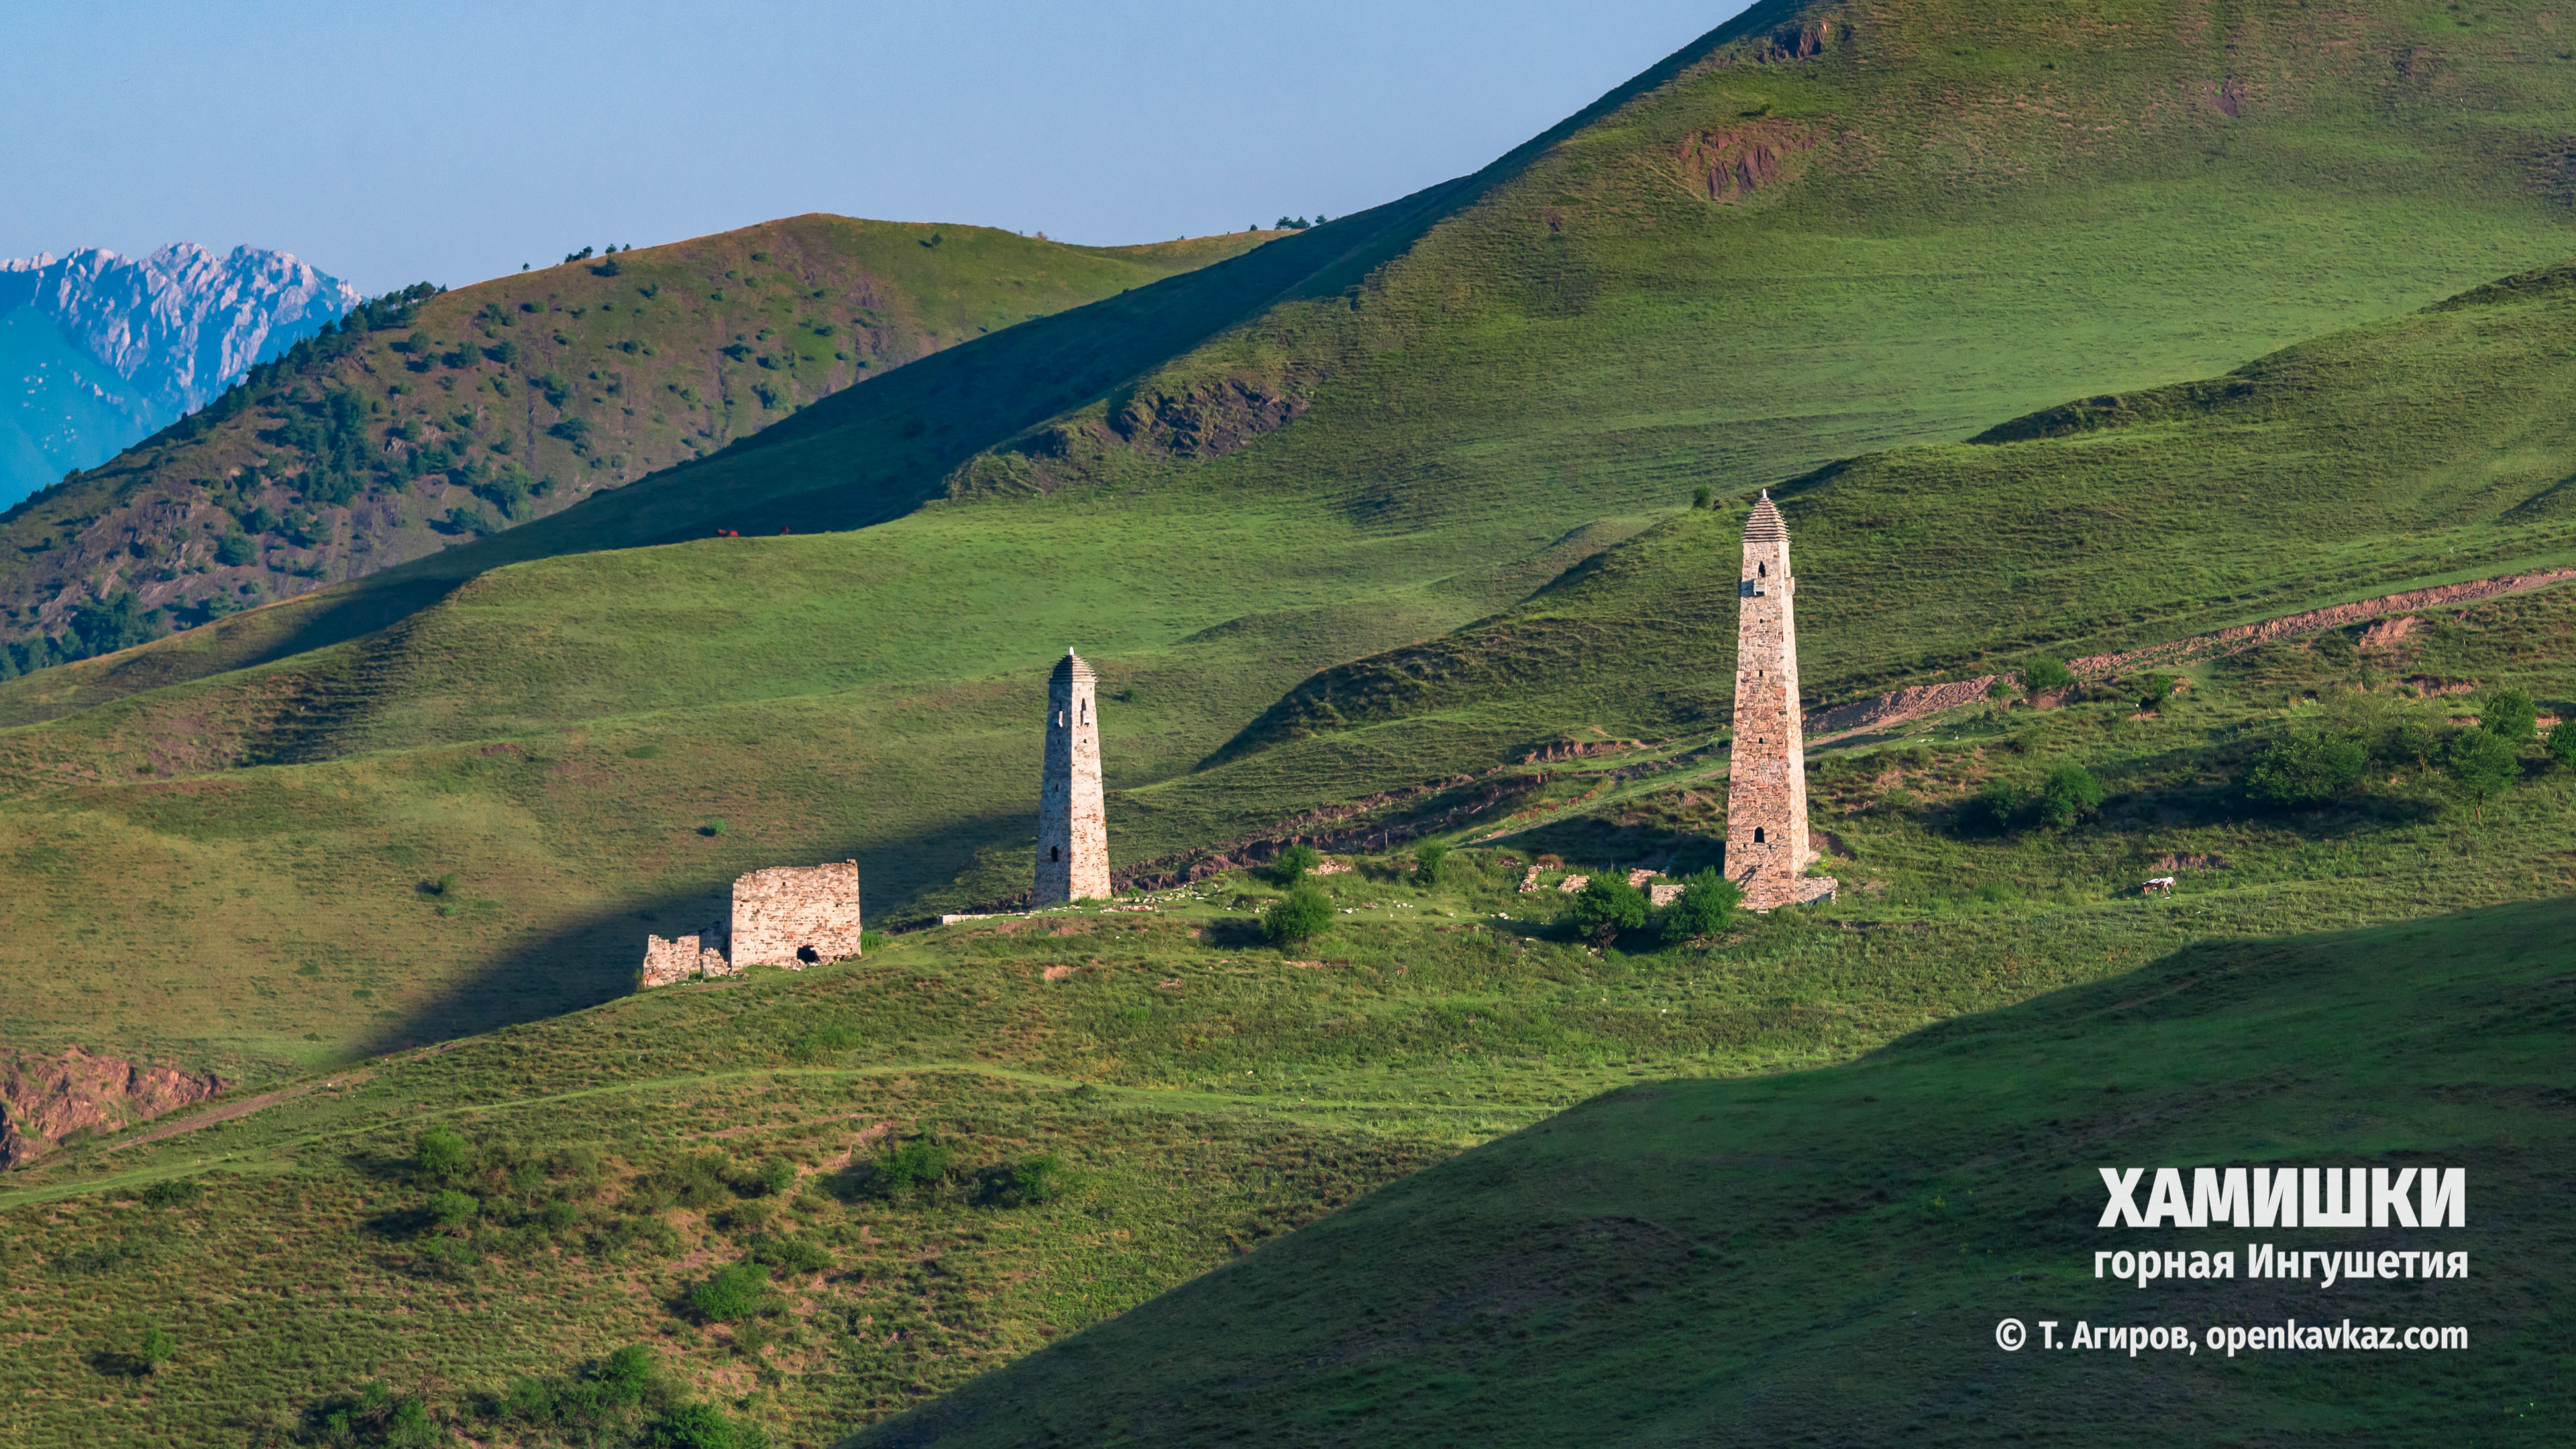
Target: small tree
<point x="2510" y="716"/>
<point x="1608" y="905"/>
<point x="1038" y="1179"/>
<point x="442" y="1154"/>
<point x="156" y="1350"/>
<point x="733" y="1294"/>
<point x="1302" y="915"/>
<point x="1291" y="865"/>
<point x="2041" y="674"/>
<point x="1998" y="698"/>
<point x="1699" y="496"/>
<point x="2562" y="744"/>
<point x="453" y="1211"/>
<point x="2155" y="690"/>
<point x="2306" y="769"/>
<point x="1706" y="907"/>
<point x="917" y="1163"/>
<point x="2069" y="793"/>
<point x="1428" y="858"/>
<point x="1997" y="808"/>
<point x="2482" y="764"/>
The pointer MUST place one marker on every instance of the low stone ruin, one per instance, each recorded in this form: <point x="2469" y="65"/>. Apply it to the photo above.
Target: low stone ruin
<point x="791" y="916"/>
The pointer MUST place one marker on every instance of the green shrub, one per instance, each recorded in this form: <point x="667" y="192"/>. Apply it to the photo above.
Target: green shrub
<point x="734" y="1293"/>
<point x="235" y="549"/>
<point x="775" y="1176"/>
<point x="442" y="1154"/>
<point x="2155" y="689"/>
<point x="1998" y="809"/>
<point x="2068" y="794"/>
<point x="2482" y="764"/>
<point x="155" y="1350"/>
<point x="1292" y="865"/>
<point x="1699" y="496"/>
<point x="1298" y="917"/>
<point x="2562" y="744"/>
<point x="173" y="1192"/>
<point x="2510" y="715"/>
<point x="917" y="1163"/>
<point x="1706" y="907"/>
<point x="1428" y="858"/>
<point x="1038" y="1179"/>
<point x="794" y="1253"/>
<point x="2042" y="673"/>
<point x="2306" y="769"/>
<point x="699" y="1425"/>
<point x="453" y="1210"/>
<point x="1608" y="905"/>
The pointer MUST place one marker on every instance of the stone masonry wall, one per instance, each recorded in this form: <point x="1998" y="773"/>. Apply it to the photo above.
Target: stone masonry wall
<point x="1766" y="795"/>
<point x="1073" y="824"/>
<point x="796" y="915"/>
<point x="681" y="958"/>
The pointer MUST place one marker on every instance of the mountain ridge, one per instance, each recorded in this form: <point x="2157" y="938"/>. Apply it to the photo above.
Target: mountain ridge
<point x="166" y="333"/>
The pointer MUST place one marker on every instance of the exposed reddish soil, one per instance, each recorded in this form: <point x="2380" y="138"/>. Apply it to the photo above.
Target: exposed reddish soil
<point x="44" y="1098"/>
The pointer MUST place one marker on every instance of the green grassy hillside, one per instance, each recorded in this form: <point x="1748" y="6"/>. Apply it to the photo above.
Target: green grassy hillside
<point x="595" y="745"/>
<point x="437" y="417"/>
<point x="1820" y="230"/>
<point x="2432" y="446"/>
<point x="1825" y="1256"/>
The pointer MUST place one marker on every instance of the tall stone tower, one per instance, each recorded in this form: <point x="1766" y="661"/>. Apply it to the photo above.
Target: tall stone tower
<point x="1766" y="792"/>
<point x="1073" y="829"/>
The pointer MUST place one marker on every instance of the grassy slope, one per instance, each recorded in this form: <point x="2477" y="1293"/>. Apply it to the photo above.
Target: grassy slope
<point x="1823" y="1257"/>
<point x="558" y="734"/>
<point x="2429" y="446"/>
<point x="1210" y="1094"/>
<point x="1969" y="210"/>
<point x="809" y="305"/>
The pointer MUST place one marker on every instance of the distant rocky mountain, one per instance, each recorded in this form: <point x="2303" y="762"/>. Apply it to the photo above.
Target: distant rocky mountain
<point x="102" y="350"/>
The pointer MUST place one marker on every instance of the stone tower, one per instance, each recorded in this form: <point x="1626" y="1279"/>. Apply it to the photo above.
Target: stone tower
<point x="1073" y="830"/>
<point x="1766" y="792"/>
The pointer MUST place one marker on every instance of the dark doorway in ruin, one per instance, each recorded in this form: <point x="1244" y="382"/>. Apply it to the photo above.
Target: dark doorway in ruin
<point x="1757" y="835"/>
<point x="808" y="955"/>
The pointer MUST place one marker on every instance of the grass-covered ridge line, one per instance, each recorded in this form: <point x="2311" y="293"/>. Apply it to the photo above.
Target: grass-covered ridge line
<point x="1997" y="211"/>
<point x="1829" y="1252"/>
<point x="435" y="417"/>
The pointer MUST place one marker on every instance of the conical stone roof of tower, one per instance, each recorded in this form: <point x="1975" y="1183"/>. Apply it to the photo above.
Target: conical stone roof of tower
<point x="1071" y="666"/>
<point x="1765" y="525"/>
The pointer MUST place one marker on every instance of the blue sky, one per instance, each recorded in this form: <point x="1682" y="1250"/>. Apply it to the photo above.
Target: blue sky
<point x="391" y="143"/>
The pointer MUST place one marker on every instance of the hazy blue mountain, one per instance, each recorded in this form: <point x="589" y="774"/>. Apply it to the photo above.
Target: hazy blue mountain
<point x="99" y="350"/>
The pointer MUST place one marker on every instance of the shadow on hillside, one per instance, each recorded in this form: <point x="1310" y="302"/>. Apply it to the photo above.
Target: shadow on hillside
<point x="594" y="959"/>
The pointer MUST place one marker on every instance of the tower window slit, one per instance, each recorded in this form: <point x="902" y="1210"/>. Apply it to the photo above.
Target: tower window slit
<point x="1757" y="835"/>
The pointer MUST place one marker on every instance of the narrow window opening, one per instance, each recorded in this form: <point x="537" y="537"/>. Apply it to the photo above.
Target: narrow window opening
<point x="1762" y="570"/>
<point x="1757" y="835"/>
<point x="1054" y="854"/>
<point x="1059" y="719"/>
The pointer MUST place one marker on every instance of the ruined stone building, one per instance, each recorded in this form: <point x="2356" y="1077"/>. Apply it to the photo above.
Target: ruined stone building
<point x="1073" y="827"/>
<point x="1766" y="794"/>
<point x="791" y="916"/>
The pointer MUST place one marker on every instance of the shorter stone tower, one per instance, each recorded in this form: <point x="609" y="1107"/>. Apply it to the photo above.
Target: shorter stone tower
<point x="1766" y="793"/>
<point x="1073" y="828"/>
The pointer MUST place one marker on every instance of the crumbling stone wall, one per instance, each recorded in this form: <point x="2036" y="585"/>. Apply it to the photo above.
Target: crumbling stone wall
<point x="1766" y="795"/>
<point x="791" y="916"/>
<point x="682" y="958"/>
<point x="795" y="916"/>
<point x="1073" y="824"/>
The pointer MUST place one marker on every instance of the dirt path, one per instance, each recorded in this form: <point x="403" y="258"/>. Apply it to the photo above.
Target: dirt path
<point x="1915" y="701"/>
<point x="228" y="1111"/>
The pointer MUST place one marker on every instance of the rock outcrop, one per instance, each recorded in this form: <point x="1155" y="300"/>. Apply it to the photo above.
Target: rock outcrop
<point x="45" y="1098"/>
